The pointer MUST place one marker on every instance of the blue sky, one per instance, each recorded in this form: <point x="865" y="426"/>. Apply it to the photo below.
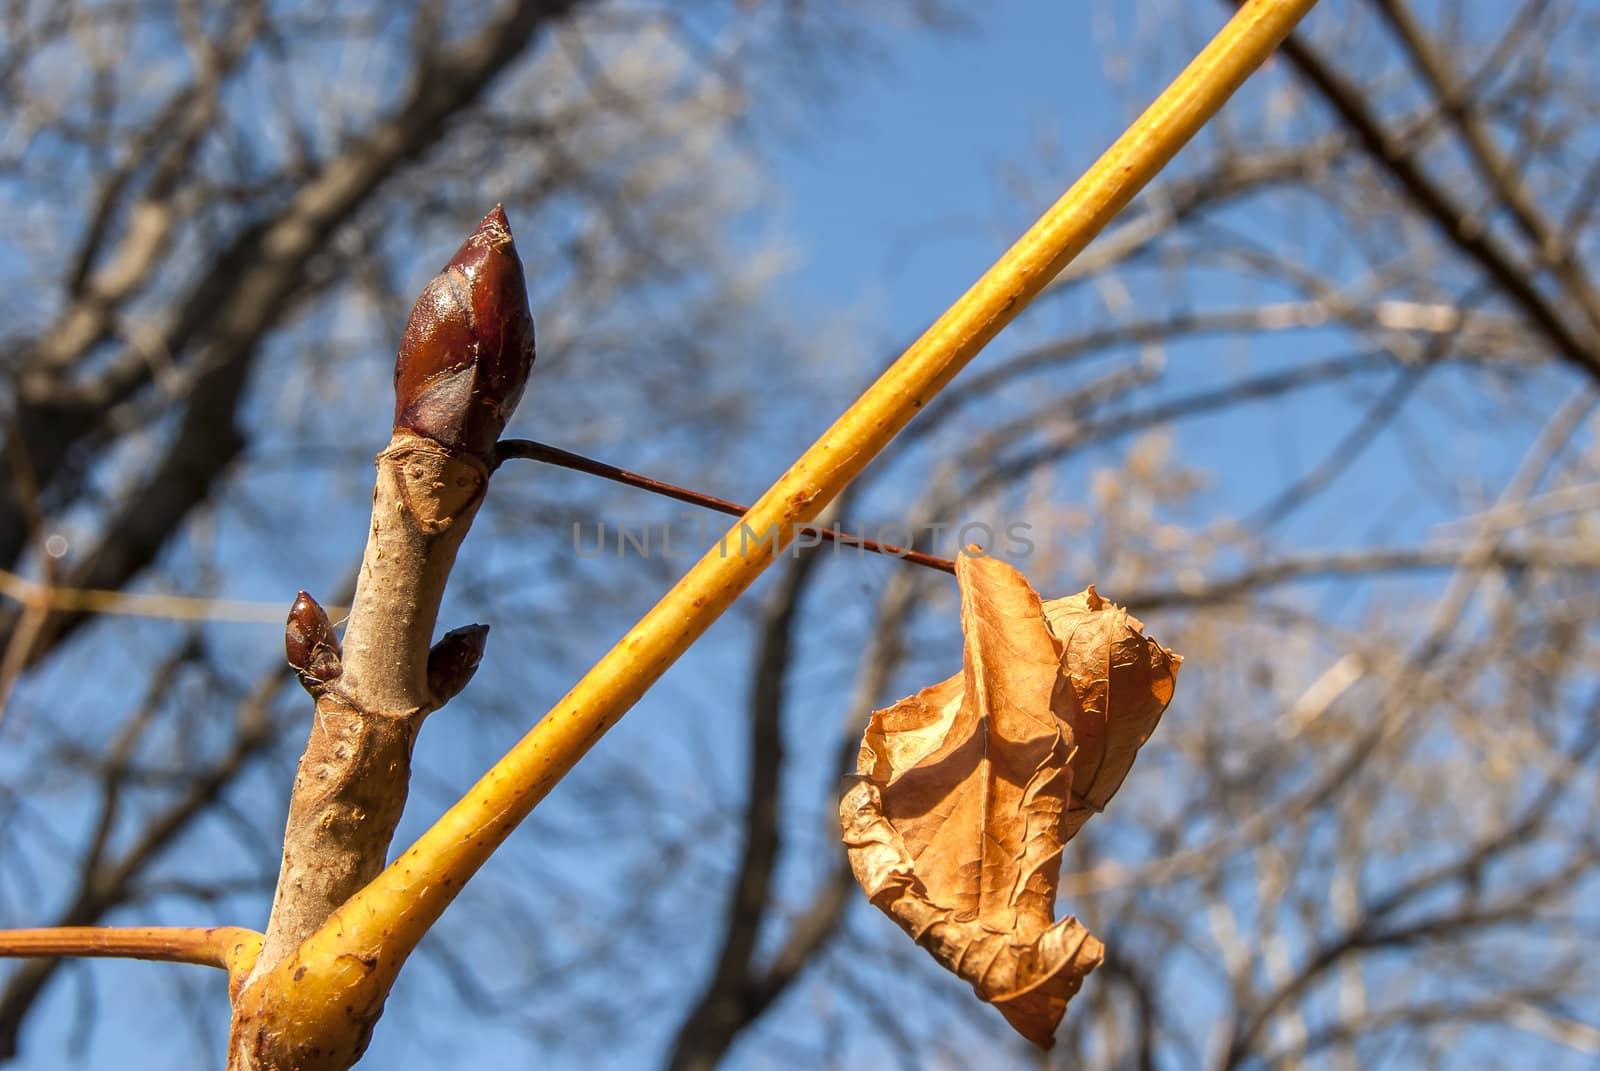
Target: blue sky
<point x="925" y="160"/>
<point x="893" y="201"/>
<point x="891" y="205"/>
<point x="894" y="197"/>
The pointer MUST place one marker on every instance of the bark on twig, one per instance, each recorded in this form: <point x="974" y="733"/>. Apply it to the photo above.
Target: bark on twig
<point x="463" y="361"/>
<point x="351" y="785"/>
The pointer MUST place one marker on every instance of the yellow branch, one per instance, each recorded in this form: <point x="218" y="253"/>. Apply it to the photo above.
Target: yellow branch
<point x="348" y="965"/>
<point x="230" y="947"/>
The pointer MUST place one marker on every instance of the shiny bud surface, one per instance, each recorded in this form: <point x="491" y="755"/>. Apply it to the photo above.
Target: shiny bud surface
<point x="454" y="659"/>
<point x="309" y="642"/>
<point x="468" y="347"/>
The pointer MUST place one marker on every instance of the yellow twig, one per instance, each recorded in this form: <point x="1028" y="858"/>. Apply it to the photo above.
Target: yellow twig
<point x="350" y="963"/>
<point x="230" y="947"/>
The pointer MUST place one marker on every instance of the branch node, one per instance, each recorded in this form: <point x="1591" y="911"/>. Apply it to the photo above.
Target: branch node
<point x="436" y="484"/>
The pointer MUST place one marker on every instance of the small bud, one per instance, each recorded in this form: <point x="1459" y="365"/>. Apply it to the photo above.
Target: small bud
<point x="310" y="644"/>
<point x="453" y="661"/>
<point x="468" y="347"/>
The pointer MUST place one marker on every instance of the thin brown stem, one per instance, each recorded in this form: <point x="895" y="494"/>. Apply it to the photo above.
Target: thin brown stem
<point x="529" y="450"/>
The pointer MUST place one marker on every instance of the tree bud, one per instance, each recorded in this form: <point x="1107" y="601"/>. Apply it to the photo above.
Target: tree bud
<point x="468" y="347"/>
<point x="453" y="661"/>
<point x="310" y="643"/>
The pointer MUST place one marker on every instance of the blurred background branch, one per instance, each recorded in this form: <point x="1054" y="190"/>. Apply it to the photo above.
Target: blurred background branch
<point x="1319" y="409"/>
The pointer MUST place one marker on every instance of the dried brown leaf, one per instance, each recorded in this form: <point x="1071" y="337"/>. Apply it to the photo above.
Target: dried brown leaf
<point x="1122" y="682"/>
<point x="965" y="791"/>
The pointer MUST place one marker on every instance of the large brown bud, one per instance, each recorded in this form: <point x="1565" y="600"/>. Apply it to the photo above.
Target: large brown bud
<point x="468" y="347"/>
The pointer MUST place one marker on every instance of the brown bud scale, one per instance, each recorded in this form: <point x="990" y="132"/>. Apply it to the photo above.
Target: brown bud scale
<point x="310" y="644"/>
<point x="454" y="659"/>
<point x="468" y="346"/>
